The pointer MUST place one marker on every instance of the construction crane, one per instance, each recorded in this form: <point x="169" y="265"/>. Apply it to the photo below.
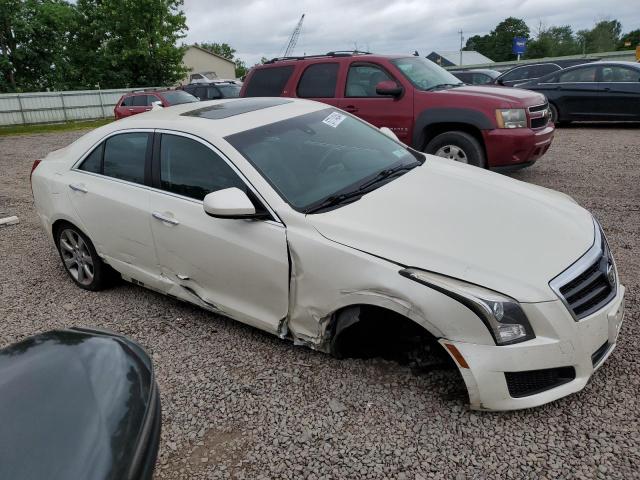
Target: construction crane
<point x="294" y="38"/>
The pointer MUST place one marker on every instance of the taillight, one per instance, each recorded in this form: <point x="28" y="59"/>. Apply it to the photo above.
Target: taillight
<point x="33" y="167"/>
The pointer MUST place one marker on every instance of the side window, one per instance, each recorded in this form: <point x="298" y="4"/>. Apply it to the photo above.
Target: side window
<point x="201" y="93"/>
<point x="481" y="79"/>
<point x="517" y="74"/>
<point x="193" y="170"/>
<point x="319" y="81"/>
<point x="542" y="70"/>
<point x="151" y="99"/>
<point x="268" y="82"/>
<point x="213" y="93"/>
<point x="124" y="156"/>
<point x="620" y="74"/>
<point x="362" y="80"/>
<point x="127" y="102"/>
<point x="93" y="162"/>
<point x="585" y="74"/>
<point x="140" y="101"/>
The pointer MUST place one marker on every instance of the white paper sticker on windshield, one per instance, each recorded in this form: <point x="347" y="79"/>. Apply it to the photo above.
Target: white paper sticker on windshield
<point x="334" y="119"/>
<point x="401" y="152"/>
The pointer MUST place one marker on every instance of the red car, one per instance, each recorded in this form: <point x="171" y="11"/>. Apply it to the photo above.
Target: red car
<point x="138" y="102"/>
<point x="423" y="104"/>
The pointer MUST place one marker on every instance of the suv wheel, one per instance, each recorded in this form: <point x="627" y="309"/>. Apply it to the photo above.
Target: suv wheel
<point x="458" y="146"/>
<point x="80" y="259"/>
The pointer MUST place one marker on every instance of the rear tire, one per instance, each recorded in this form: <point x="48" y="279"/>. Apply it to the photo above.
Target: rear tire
<point x="458" y="146"/>
<point x="80" y="259"/>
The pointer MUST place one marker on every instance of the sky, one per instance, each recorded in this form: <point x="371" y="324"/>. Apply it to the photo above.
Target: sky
<point x="257" y="28"/>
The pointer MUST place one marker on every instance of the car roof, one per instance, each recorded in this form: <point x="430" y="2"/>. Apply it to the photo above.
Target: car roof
<point x="220" y="118"/>
<point x="148" y="92"/>
<point x="331" y="55"/>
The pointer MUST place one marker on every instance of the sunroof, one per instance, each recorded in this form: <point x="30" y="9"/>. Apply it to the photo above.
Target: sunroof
<point x="235" y="107"/>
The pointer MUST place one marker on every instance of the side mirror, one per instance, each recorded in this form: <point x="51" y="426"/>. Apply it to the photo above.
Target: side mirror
<point x="499" y="81"/>
<point x="229" y="203"/>
<point x="86" y="376"/>
<point x="389" y="87"/>
<point x="389" y="133"/>
<point x="155" y="105"/>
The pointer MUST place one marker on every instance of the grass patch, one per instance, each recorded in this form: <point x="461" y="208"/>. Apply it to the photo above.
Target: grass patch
<point x="53" y="127"/>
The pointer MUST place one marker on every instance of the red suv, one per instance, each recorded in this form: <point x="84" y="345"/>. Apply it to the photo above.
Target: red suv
<point x="423" y="104"/>
<point x="138" y="102"/>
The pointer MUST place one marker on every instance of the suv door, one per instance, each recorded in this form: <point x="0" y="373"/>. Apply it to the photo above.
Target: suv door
<point x="620" y="92"/>
<point x="107" y="190"/>
<point x="237" y="267"/>
<point x="358" y="96"/>
<point x="140" y="104"/>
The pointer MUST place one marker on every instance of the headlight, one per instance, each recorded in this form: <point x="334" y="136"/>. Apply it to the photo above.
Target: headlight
<point x="502" y="315"/>
<point x="511" y="118"/>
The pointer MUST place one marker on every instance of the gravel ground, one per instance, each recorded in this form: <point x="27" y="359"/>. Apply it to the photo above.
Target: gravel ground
<point x="238" y="403"/>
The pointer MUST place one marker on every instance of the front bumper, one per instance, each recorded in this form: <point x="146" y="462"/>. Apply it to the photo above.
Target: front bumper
<point x="562" y="342"/>
<point x="508" y="148"/>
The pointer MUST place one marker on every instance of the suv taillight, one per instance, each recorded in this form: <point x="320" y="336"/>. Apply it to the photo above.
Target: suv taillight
<point x="33" y="167"/>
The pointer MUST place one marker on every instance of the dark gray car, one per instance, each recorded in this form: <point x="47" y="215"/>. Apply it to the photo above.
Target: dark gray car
<point x="596" y="91"/>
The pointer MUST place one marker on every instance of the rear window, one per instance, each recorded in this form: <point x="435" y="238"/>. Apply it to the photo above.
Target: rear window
<point x="268" y="82"/>
<point x="176" y="97"/>
<point x="319" y="81"/>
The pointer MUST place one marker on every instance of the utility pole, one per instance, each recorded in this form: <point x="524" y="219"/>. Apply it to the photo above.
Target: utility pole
<point x="461" y="44"/>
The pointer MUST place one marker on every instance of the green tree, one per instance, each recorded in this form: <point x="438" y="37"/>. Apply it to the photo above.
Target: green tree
<point x="33" y="39"/>
<point x="504" y="34"/>
<point x="223" y="49"/>
<point x="498" y="44"/>
<point x="604" y="37"/>
<point x="553" y="42"/>
<point x="629" y="40"/>
<point x="129" y="43"/>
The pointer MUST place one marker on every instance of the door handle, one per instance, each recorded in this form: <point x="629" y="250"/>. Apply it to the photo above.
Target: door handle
<point x="164" y="218"/>
<point x="350" y="109"/>
<point x="131" y="109"/>
<point x="77" y="188"/>
<point x="606" y="89"/>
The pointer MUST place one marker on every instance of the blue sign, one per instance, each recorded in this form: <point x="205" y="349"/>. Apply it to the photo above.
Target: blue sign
<point x="519" y="45"/>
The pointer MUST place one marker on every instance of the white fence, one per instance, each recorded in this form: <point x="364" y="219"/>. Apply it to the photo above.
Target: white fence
<point x="51" y="107"/>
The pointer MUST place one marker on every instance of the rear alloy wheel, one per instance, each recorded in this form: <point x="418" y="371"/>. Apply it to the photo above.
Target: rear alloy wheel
<point x="458" y="146"/>
<point x="81" y="260"/>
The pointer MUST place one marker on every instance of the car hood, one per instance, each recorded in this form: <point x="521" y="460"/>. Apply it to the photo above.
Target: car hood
<point x="514" y="96"/>
<point x="467" y="223"/>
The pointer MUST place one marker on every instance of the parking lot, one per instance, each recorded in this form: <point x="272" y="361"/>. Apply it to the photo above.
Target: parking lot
<point x="239" y="403"/>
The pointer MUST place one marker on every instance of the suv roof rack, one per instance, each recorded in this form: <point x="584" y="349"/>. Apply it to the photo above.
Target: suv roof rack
<point x="337" y="53"/>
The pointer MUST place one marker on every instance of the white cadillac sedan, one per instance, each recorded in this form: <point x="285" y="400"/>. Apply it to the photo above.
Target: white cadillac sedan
<point x="311" y="224"/>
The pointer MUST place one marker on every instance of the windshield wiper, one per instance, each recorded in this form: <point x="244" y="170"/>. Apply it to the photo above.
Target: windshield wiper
<point x="334" y="200"/>
<point x="353" y="195"/>
<point x="444" y="85"/>
<point x="387" y="173"/>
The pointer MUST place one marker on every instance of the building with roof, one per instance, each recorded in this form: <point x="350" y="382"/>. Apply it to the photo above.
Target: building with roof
<point x="198" y="59"/>
<point x="452" y="58"/>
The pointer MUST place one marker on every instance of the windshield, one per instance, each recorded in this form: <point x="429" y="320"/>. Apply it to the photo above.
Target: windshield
<point x="229" y="91"/>
<point x="424" y="74"/>
<point x="176" y="97"/>
<point x="313" y="157"/>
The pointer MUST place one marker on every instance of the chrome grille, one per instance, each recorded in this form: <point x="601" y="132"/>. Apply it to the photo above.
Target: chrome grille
<point x="590" y="283"/>
<point x="539" y="115"/>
